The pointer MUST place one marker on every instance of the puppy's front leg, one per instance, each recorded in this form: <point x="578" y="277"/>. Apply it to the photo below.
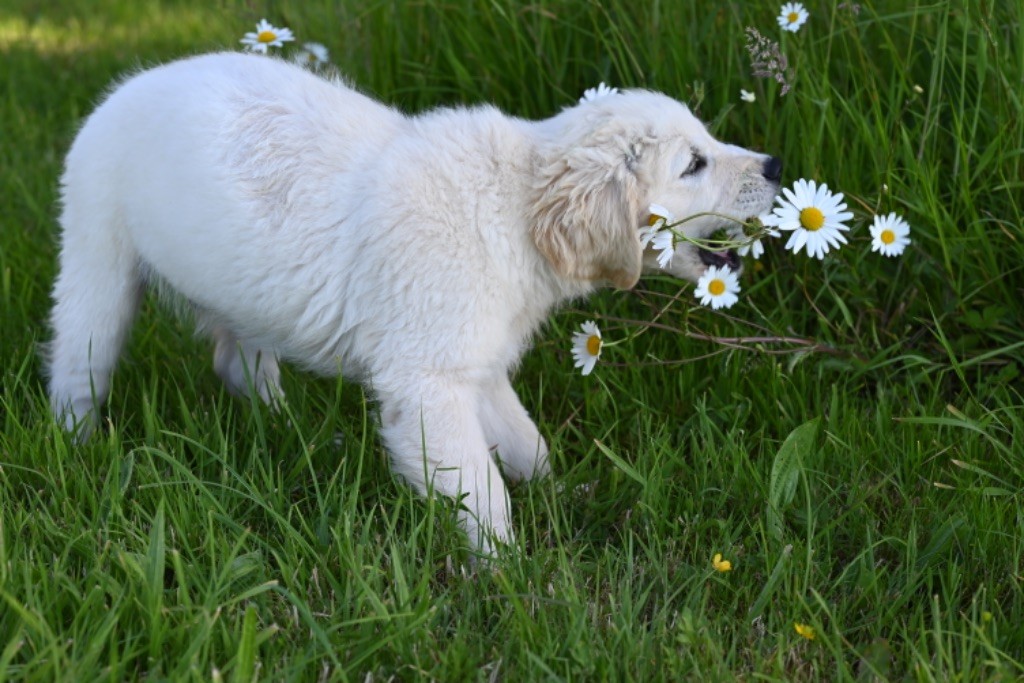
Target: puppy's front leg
<point x="507" y="425"/>
<point x="437" y="444"/>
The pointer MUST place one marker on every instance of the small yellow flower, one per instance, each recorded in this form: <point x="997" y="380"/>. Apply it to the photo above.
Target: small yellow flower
<point x="804" y="630"/>
<point x="721" y="565"/>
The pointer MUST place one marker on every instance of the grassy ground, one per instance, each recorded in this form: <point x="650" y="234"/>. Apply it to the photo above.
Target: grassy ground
<point x="869" y="485"/>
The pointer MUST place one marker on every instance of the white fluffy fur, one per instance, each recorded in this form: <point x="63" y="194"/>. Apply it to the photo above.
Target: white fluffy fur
<point x="307" y="222"/>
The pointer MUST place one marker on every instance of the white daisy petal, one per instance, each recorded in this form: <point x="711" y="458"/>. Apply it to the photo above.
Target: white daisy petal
<point x="659" y="211"/>
<point x="798" y="240"/>
<point x="755" y="249"/>
<point x="664" y="244"/>
<point x="822" y="198"/>
<point x="769" y="220"/>
<point x="791" y="195"/>
<point x="647" y="234"/>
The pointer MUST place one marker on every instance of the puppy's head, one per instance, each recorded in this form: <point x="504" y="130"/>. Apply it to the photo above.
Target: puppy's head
<point x="603" y="163"/>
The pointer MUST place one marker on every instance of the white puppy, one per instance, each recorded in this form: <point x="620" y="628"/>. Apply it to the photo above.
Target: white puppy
<point x="304" y="221"/>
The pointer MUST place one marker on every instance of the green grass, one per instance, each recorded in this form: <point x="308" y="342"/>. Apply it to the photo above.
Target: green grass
<point x="870" y="485"/>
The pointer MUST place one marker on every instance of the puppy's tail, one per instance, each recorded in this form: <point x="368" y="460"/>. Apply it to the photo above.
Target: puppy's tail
<point x="96" y="293"/>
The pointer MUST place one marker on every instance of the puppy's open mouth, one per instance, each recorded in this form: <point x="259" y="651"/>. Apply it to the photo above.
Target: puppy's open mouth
<point x="717" y="253"/>
<point x="725" y="257"/>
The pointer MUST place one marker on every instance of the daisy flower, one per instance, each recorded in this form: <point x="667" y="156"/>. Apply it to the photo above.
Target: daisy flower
<point x="658" y="236"/>
<point x="889" y="235"/>
<point x="721" y="565"/>
<point x="747" y="96"/>
<point x="602" y="90"/>
<point x="718" y="287"/>
<point x="813" y="214"/>
<point x="658" y="219"/>
<point x="266" y="35"/>
<point x="313" y="55"/>
<point x="586" y="346"/>
<point x="792" y="16"/>
<point x="804" y="630"/>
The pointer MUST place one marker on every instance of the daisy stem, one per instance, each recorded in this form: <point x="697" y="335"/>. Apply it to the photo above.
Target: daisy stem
<point x="720" y="244"/>
<point x="649" y="325"/>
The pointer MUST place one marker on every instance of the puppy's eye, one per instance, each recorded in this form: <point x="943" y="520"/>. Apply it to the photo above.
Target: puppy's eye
<point x="697" y="164"/>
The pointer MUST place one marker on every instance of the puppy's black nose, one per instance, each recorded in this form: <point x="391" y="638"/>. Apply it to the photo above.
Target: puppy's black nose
<point x="773" y="169"/>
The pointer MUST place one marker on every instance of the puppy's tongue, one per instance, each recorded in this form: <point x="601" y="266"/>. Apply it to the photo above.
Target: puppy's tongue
<point x="727" y="258"/>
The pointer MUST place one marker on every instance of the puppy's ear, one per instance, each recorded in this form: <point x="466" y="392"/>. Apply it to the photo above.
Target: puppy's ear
<point x="587" y="207"/>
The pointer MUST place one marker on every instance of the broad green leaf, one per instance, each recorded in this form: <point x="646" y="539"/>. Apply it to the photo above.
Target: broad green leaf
<point x="786" y="470"/>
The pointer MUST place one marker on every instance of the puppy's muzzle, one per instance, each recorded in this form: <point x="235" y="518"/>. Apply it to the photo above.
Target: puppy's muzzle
<point x="772" y="172"/>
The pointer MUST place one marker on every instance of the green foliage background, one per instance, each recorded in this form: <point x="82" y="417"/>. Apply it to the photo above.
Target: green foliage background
<point x="864" y="477"/>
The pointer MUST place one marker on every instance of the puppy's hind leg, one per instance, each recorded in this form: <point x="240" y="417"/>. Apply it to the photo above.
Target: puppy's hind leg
<point x="245" y="367"/>
<point x="96" y="296"/>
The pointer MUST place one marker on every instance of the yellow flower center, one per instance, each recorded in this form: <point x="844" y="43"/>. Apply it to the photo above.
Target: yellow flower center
<point x="593" y="345"/>
<point x="887" y="237"/>
<point x="716" y="287"/>
<point x="812" y="218"/>
<point x="654" y="219"/>
<point x="792" y="17"/>
<point x="266" y="36"/>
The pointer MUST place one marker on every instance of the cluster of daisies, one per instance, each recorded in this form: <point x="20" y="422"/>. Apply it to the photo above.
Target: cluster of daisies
<point x="266" y="36"/>
<point x="815" y="217"/>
